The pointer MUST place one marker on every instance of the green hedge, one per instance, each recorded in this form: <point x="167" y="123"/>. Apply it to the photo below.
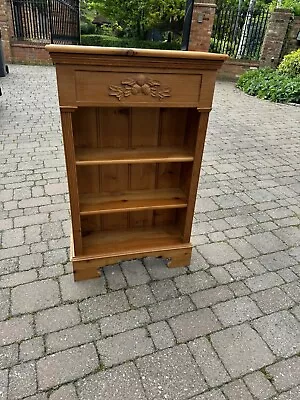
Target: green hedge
<point x="111" y="41"/>
<point x="270" y="84"/>
<point x="291" y="64"/>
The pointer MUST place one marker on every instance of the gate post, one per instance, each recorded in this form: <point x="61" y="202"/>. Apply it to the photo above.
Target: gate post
<point x="5" y="27"/>
<point x="275" y="37"/>
<point x="202" y="24"/>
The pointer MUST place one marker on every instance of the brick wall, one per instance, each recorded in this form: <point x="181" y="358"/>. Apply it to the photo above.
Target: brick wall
<point x="5" y="27"/>
<point x="232" y="69"/>
<point x="275" y="37"/>
<point x="202" y="24"/>
<point x="23" y="52"/>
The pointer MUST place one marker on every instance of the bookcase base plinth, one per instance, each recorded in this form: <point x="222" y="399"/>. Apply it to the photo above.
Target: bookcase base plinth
<point x="90" y="267"/>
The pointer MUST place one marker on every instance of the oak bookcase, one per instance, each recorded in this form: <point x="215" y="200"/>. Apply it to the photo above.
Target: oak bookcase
<point x="134" y="124"/>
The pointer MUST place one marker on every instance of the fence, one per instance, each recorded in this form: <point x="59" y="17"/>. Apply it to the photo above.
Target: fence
<point x="239" y="32"/>
<point x="55" y="21"/>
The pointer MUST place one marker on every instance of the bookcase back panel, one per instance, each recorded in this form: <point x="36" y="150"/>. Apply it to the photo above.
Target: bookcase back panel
<point x="128" y="220"/>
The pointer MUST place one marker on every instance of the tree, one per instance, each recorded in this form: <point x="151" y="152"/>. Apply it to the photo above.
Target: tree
<point x="137" y="17"/>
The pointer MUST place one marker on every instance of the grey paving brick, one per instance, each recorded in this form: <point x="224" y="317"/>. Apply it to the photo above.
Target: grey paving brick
<point x="66" y="366"/>
<point x="17" y="278"/>
<point x="72" y="291"/>
<point x="237" y="232"/>
<point x="194" y="282"/>
<point x="241" y="350"/>
<point x="114" y="277"/>
<point x="288" y="275"/>
<point x="22" y="381"/>
<point x="218" y="253"/>
<point x="164" y="290"/>
<point x="32" y="234"/>
<point x="56" y="188"/>
<point x="157" y="269"/>
<point x="171" y="374"/>
<point x="31" y="349"/>
<point x="67" y="392"/>
<point x="209" y="363"/>
<point x="8" y="266"/>
<point x="285" y="374"/>
<point x="13" y="237"/>
<point x="264" y="281"/>
<point x="40" y="396"/>
<point x="255" y="266"/>
<point x="31" y="220"/>
<point x="34" y="296"/>
<point x="259" y="385"/>
<point x="3" y="384"/>
<point x="57" y="318"/>
<point x="135" y="273"/>
<point x="4" y="303"/>
<point x="239" y="288"/>
<point x="281" y="331"/>
<point x="30" y="261"/>
<point x="170" y="308"/>
<point x="119" y="383"/>
<point x="221" y="275"/>
<point x="8" y="356"/>
<point x="238" y="271"/>
<point x="236" y="311"/>
<point x="272" y="300"/>
<point x="289" y="235"/>
<point x="214" y="394"/>
<point x="16" y="329"/>
<point x="161" y="335"/>
<point x="17" y="251"/>
<point x="292" y="394"/>
<point x="198" y="263"/>
<point x="51" y="272"/>
<point x="237" y="390"/>
<point x="71" y="337"/>
<point x="266" y="242"/>
<point x="58" y="256"/>
<point x="276" y="261"/>
<point x="296" y="312"/>
<point x="208" y="297"/>
<point x="139" y="296"/>
<point x="245" y="249"/>
<point x="191" y="325"/>
<point x="122" y="322"/>
<point x="125" y="347"/>
<point x="293" y="290"/>
<point x="52" y="230"/>
<point x="102" y="306"/>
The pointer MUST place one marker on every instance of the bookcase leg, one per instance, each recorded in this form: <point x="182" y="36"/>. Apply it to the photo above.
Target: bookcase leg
<point x="182" y="258"/>
<point x="84" y="274"/>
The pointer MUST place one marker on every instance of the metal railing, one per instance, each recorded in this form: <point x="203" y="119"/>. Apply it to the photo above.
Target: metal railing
<point x="46" y="21"/>
<point x="239" y="32"/>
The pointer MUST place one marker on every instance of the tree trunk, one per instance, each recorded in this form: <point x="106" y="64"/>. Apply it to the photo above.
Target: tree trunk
<point x="246" y="30"/>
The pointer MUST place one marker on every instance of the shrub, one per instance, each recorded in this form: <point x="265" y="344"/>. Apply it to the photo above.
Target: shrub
<point x="291" y="64"/>
<point x="112" y="41"/>
<point x="271" y="85"/>
<point x="87" y="28"/>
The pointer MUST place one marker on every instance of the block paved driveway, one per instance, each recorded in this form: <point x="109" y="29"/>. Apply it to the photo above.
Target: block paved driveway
<point x="227" y="327"/>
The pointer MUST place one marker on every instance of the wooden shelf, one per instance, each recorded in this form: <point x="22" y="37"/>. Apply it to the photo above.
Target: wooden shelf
<point x="109" y="243"/>
<point x="132" y="201"/>
<point x="94" y="156"/>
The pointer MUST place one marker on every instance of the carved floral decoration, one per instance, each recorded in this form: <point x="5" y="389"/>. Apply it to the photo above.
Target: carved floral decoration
<point x="142" y="84"/>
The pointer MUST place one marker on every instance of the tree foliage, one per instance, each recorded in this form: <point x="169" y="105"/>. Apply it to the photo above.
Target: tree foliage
<point x="137" y="17"/>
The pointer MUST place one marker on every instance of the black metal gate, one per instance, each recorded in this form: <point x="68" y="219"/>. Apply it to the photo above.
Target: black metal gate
<point x="239" y="32"/>
<point x="44" y="21"/>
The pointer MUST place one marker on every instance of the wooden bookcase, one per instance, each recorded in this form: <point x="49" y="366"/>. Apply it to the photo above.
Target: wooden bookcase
<point x="134" y="125"/>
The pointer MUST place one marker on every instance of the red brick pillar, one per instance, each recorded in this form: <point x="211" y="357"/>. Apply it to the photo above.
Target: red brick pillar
<point x="202" y="24"/>
<point x="5" y="27"/>
<point x="275" y="37"/>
